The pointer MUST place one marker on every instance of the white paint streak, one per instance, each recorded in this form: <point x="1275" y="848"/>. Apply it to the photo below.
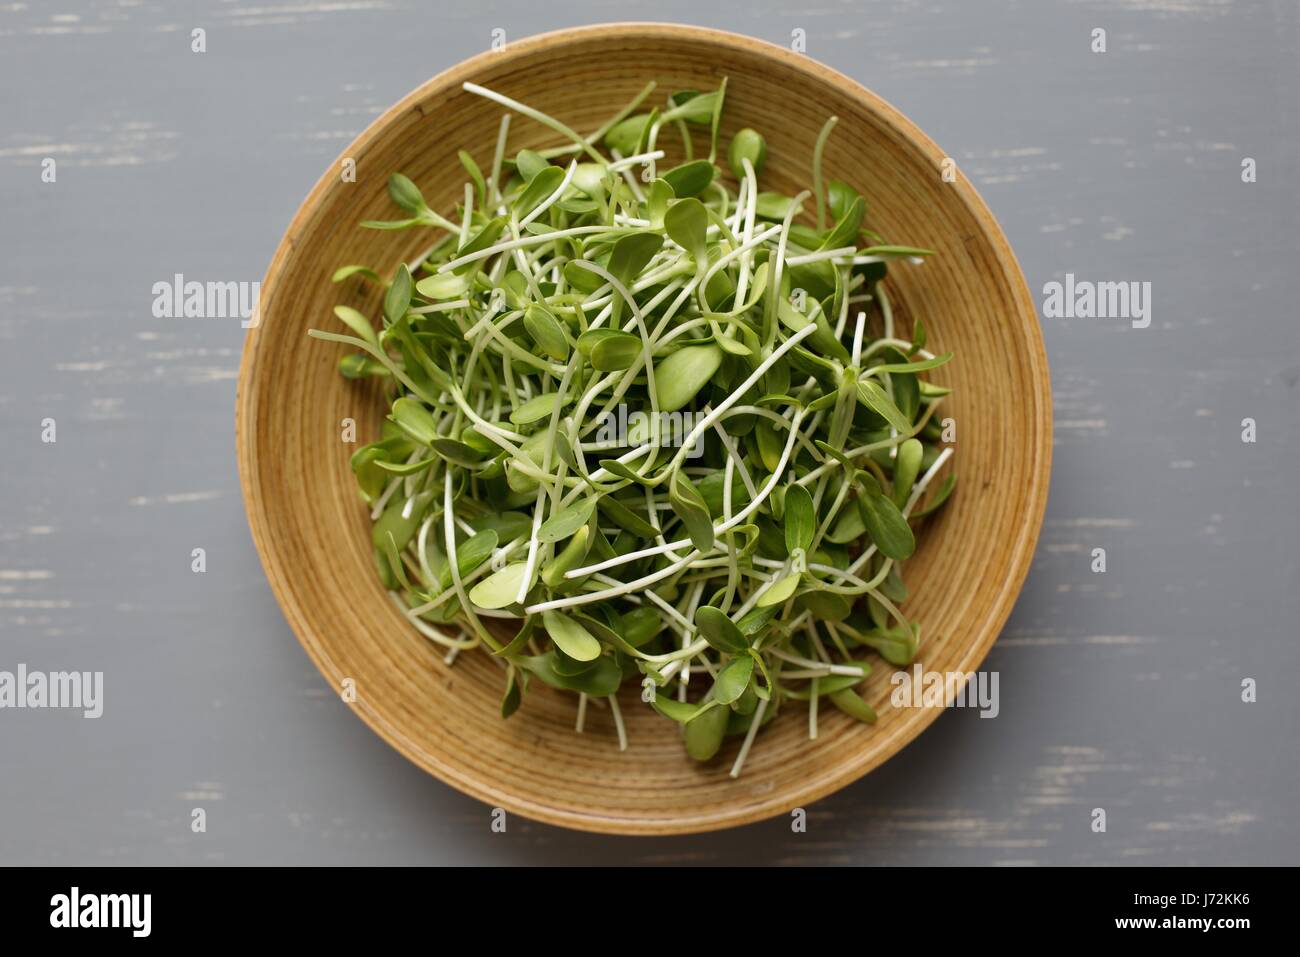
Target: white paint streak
<point x="176" y="498"/>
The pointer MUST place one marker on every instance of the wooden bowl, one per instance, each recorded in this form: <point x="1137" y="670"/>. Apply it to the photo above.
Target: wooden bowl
<point x="313" y="534"/>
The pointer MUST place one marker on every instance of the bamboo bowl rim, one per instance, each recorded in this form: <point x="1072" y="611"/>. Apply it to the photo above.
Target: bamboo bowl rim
<point x="284" y="563"/>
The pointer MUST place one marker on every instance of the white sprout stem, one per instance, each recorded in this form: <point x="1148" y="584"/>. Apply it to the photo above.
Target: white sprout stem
<point x="449" y="306"/>
<point x="901" y="344"/>
<point x="456" y="581"/>
<point x="618" y="722"/>
<point x="818" y="148"/>
<point x="424" y="628"/>
<point x="686" y="625"/>
<point x="812" y="710"/>
<point x="755" y="723"/>
<point x="718" y="529"/>
<point x="735" y="396"/>
<point x="846" y="670"/>
<point x="627" y="588"/>
<point x="554" y="198"/>
<point x="857" y="338"/>
<point x="469" y="215"/>
<point x="628" y="178"/>
<point x="751" y="207"/>
<point x="819" y="256"/>
<point x="533" y="114"/>
<point x="608" y="125"/>
<point x="919" y="489"/>
<point x="627" y="162"/>
<point x="775" y="281"/>
<point x="381" y="503"/>
<point x="510" y="244"/>
<point x="539" y="508"/>
<point x="498" y="157"/>
<point x="737" y="253"/>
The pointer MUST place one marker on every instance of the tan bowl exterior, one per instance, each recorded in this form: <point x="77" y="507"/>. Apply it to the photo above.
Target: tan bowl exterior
<point x="313" y="534"/>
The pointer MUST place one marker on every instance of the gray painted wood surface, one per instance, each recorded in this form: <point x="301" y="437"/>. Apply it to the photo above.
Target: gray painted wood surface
<point x="1119" y="690"/>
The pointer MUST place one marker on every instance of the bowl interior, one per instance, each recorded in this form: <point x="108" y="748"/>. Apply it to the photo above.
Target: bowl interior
<point x="313" y="533"/>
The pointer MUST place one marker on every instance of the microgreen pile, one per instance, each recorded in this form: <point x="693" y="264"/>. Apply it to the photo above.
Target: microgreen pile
<point x="646" y="426"/>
